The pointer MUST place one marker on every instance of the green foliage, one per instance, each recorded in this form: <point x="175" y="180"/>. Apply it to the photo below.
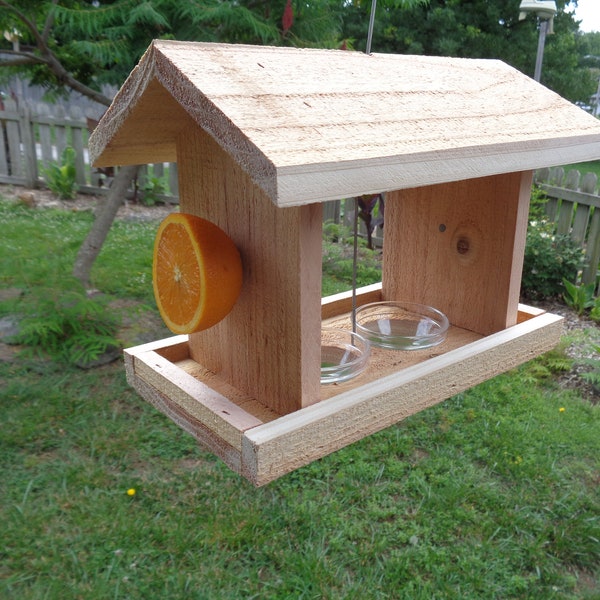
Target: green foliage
<point x="593" y="375"/>
<point x="338" y="251"/>
<point x="61" y="179"/>
<point x="56" y="317"/>
<point x="57" y="236"/>
<point x="548" y="365"/>
<point x="219" y="22"/>
<point x="595" y="312"/>
<point x="98" y="42"/>
<point x="479" y="29"/>
<point x="154" y="188"/>
<point x="61" y="321"/>
<point x="549" y="260"/>
<point x="579" y="297"/>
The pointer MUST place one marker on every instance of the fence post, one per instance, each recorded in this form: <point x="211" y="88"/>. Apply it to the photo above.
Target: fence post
<point x="4" y="161"/>
<point x="28" y="141"/>
<point x="60" y="131"/>
<point x="592" y="250"/>
<point x="565" y="212"/>
<point x="78" y="127"/>
<point x="555" y="177"/>
<point x="583" y="210"/>
<point x="174" y="181"/>
<point x="331" y="211"/>
<point x="13" y="136"/>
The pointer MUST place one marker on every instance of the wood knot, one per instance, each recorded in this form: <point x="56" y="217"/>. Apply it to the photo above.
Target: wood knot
<point x="467" y="243"/>
<point x="462" y="245"/>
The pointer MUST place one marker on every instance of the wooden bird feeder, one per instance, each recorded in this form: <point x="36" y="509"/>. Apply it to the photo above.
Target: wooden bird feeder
<point x="262" y="136"/>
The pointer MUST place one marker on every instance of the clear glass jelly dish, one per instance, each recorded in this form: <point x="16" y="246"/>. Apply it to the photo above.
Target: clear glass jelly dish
<point x="401" y="325"/>
<point x="344" y="354"/>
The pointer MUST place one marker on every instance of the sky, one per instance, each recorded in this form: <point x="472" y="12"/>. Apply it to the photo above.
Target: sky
<point x="588" y="12"/>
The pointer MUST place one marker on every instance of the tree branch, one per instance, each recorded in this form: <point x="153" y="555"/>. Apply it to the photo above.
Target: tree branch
<point x="49" y="23"/>
<point x="48" y="57"/>
<point x="22" y="59"/>
<point x="27" y="22"/>
<point x="65" y="77"/>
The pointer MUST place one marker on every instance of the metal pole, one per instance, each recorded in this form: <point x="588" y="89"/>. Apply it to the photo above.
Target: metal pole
<point x="540" y="51"/>
<point x="354" y="264"/>
<point x="371" y="25"/>
<point x="356" y="206"/>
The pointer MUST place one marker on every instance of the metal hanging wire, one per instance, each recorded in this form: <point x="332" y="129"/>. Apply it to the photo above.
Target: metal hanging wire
<point x="371" y="25"/>
<point x="356" y="205"/>
<point x="354" y="264"/>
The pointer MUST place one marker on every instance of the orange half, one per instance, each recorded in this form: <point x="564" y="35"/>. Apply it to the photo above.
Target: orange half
<point x="196" y="273"/>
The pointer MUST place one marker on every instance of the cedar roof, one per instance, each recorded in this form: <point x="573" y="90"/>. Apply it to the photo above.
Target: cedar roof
<point x="311" y="125"/>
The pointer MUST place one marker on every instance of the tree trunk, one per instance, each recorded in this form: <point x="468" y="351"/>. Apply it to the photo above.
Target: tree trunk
<point x="105" y="216"/>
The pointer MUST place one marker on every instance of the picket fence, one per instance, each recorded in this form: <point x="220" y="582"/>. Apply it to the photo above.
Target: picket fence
<point x="34" y="135"/>
<point x="573" y="204"/>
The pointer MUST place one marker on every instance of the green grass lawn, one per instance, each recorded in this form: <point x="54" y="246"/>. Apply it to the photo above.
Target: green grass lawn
<point x="494" y="494"/>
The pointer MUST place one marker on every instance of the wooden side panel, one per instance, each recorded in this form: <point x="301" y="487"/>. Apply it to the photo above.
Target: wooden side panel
<point x="274" y="449"/>
<point x="269" y="345"/>
<point x="459" y="247"/>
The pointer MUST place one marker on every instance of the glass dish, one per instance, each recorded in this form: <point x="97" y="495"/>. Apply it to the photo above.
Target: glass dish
<point x="401" y="325"/>
<point x="344" y="354"/>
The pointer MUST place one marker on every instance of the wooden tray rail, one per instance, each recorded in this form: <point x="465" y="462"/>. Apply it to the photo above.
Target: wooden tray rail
<point x="262" y="445"/>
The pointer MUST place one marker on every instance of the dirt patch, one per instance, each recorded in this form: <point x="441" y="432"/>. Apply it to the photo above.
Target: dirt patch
<point x="582" y="334"/>
<point x="139" y="323"/>
<point x="42" y="198"/>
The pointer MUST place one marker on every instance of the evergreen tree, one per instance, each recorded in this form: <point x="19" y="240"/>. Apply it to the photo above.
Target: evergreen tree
<point x="81" y="44"/>
<point x="481" y="29"/>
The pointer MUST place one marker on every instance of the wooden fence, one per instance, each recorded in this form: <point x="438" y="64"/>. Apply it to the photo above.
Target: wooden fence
<point x="574" y="206"/>
<point x="34" y="135"/>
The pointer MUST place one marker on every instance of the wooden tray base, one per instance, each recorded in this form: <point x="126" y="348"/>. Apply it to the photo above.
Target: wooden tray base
<point x="262" y="445"/>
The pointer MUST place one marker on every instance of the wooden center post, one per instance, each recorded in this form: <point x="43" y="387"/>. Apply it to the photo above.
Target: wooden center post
<point x="269" y="346"/>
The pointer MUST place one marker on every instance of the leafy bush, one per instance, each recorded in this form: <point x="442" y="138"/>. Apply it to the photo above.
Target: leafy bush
<point x="62" y="179"/>
<point x="154" y="188"/>
<point x="579" y="297"/>
<point x="547" y="365"/>
<point x="595" y="312"/>
<point x="64" y="323"/>
<point x="549" y="259"/>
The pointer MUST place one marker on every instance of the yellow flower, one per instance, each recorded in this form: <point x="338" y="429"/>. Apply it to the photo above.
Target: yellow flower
<point x="561" y="409"/>
<point x="131" y="492"/>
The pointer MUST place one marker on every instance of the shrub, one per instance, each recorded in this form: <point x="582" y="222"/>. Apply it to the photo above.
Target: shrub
<point x="549" y="259"/>
<point x="64" y="323"/>
<point x="593" y="375"/>
<point x="61" y="180"/>
<point x="579" y="297"/>
<point x="595" y="312"/>
<point x="154" y="188"/>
